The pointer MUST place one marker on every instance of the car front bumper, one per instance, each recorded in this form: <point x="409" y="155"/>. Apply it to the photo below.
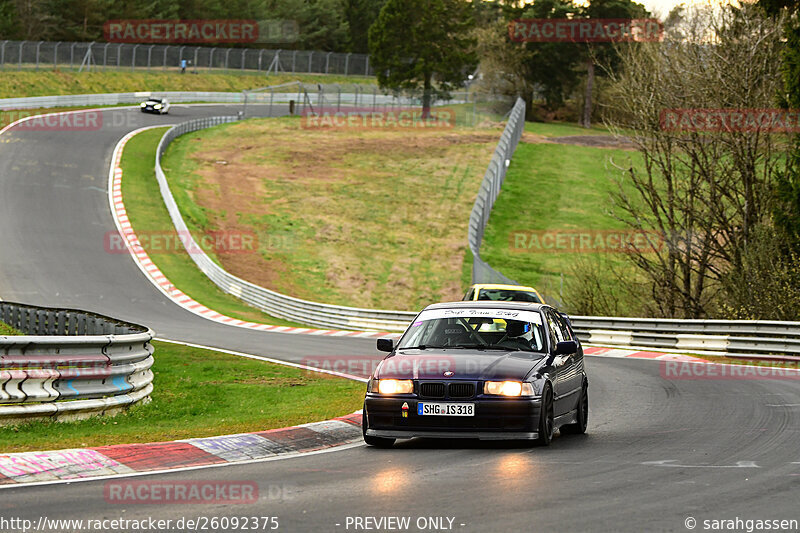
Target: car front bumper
<point x="495" y="419"/>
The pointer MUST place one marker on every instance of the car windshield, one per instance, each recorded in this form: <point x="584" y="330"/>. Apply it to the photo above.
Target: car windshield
<point x="508" y="295"/>
<point x="476" y="329"/>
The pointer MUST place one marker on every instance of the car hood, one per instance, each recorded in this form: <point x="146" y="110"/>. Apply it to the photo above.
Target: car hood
<point x="464" y="364"/>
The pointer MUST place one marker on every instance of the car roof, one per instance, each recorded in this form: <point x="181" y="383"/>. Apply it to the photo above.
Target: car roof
<point x="501" y="286"/>
<point x="488" y="304"/>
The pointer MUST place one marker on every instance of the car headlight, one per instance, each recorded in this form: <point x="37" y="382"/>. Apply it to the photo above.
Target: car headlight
<point x="143" y="104"/>
<point x="157" y="106"/>
<point x="393" y="386"/>
<point x="508" y="388"/>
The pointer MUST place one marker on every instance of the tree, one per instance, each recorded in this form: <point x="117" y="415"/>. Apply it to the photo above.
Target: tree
<point x="360" y="15"/>
<point x="604" y="53"/>
<point x="787" y="209"/>
<point x="422" y="44"/>
<point x="552" y="66"/>
<point x="706" y="192"/>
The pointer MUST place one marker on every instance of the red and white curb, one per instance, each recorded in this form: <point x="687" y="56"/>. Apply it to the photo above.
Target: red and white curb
<point x="127" y="460"/>
<point x="157" y="278"/>
<point x="620" y="353"/>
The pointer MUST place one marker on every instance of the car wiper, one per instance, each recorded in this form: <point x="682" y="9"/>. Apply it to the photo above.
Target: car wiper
<point x="481" y="347"/>
<point x="422" y="347"/>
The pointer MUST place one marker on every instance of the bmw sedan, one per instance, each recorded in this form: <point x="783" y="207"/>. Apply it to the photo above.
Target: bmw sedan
<point x="485" y="370"/>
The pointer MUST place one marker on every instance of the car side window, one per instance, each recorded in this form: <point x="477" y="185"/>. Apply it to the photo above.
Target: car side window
<point x="565" y="331"/>
<point x="556" y="335"/>
<point x="469" y="295"/>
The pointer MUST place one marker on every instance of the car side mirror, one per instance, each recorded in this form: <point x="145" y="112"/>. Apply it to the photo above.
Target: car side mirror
<point x="385" y="345"/>
<point x="566" y="347"/>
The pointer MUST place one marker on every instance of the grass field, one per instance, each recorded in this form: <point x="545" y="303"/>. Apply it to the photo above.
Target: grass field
<point x="369" y="218"/>
<point x="16" y="84"/>
<point x="150" y="220"/>
<point x="201" y="393"/>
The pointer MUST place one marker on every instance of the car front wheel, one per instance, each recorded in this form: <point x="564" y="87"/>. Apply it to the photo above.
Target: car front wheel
<point x="582" y="414"/>
<point x="546" y="428"/>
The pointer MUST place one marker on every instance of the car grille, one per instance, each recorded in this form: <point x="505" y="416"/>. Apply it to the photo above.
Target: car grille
<point x="461" y="390"/>
<point x="456" y="390"/>
<point x="431" y="390"/>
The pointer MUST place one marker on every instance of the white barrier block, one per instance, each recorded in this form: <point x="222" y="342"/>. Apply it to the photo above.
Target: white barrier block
<point x="607" y="336"/>
<point x="702" y="342"/>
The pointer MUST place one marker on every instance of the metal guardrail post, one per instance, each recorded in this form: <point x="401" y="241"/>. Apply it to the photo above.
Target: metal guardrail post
<point x="19" y="63"/>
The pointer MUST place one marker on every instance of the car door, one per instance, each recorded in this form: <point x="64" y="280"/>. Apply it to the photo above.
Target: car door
<point x="574" y="379"/>
<point x="560" y="367"/>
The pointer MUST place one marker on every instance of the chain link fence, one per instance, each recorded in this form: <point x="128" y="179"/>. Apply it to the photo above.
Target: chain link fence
<point x="490" y="189"/>
<point x="81" y="56"/>
<point x="463" y="108"/>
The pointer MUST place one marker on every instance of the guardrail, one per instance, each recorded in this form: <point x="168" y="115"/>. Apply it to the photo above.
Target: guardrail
<point x="724" y="336"/>
<point x="490" y="189"/>
<point x="70" y="364"/>
<point x="110" y="99"/>
<point x="729" y="337"/>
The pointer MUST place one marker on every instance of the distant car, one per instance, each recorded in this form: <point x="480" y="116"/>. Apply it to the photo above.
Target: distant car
<point x="454" y="374"/>
<point x="155" y="105"/>
<point x="502" y="293"/>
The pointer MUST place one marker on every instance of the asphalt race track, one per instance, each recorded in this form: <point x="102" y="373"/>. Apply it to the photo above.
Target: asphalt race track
<point x="658" y="451"/>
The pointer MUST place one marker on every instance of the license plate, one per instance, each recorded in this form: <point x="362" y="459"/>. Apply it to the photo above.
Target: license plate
<point x="446" y="409"/>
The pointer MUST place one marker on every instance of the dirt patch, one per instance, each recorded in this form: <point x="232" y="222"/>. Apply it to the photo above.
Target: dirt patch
<point x="591" y="141"/>
<point x="375" y="218"/>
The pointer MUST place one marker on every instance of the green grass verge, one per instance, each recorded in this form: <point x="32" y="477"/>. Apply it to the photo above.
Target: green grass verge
<point x="370" y="218"/>
<point x="548" y="188"/>
<point x="18" y="84"/>
<point x="149" y="218"/>
<point x="201" y="393"/>
<point x="563" y="129"/>
<point x="5" y="329"/>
